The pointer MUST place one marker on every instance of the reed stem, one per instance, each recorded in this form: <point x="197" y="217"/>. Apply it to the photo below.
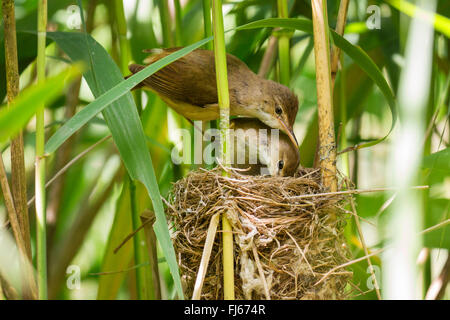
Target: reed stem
<point x="400" y="270"/>
<point x="166" y="23"/>
<point x="125" y="57"/>
<point x="41" y="230"/>
<point x="207" y="27"/>
<point x="340" y="26"/>
<point x="345" y="160"/>
<point x="283" y="45"/>
<point x="18" y="194"/>
<point x="18" y="178"/>
<point x="178" y="23"/>
<point x="124" y="45"/>
<point x="138" y="256"/>
<point x="327" y="144"/>
<point x="224" y="124"/>
<point x="148" y="219"/>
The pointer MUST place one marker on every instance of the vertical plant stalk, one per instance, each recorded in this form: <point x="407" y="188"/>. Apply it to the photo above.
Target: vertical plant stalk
<point x="269" y="57"/>
<point x="224" y="124"/>
<point x="436" y="291"/>
<point x="427" y="266"/>
<point x="17" y="154"/>
<point x="28" y="283"/>
<point x="166" y="24"/>
<point x="125" y="51"/>
<point x="41" y="257"/>
<point x="283" y="45"/>
<point x="340" y="26"/>
<point x="404" y="219"/>
<point x="138" y="258"/>
<point x="7" y="291"/>
<point x="207" y="27"/>
<point x="18" y="178"/>
<point x="175" y="120"/>
<point x="114" y="40"/>
<point x="125" y="58"/>
<point x="209" y="243"/>
<point x="63" y="154"/>
<point x="9" y="204"/>
<point x="327" y="143"/>
<point x="345" y="159"/>
<point x="148" y="218"/>
<point x="366" y="251"/>
<point x="66" y="249"/>
<point x="207" y="30"/>
<point x="18" y="210"/>
<point x="178" y="23"/>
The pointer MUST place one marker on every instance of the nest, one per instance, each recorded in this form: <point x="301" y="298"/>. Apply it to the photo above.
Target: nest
<point x="286" y="243"/>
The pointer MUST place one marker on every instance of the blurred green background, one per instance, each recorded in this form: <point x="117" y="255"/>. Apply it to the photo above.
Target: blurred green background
<point x="88" y="207"/>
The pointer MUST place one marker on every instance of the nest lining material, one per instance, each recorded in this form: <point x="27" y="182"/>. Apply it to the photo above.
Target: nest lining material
<point x="283" y="244"/>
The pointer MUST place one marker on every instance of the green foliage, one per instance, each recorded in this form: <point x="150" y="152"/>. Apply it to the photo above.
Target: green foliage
<point x="358" y="56"/>
<point x="106" y="82"/>
<point x="365" y="106"/>
<point x="13" y="119"/>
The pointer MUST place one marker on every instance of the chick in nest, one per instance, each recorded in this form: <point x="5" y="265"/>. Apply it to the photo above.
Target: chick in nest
<point x="261" y="150"/>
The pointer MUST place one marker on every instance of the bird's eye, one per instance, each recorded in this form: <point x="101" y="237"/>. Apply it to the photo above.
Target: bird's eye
<point x="278" y="110"/>
<point x="280" y="164"/>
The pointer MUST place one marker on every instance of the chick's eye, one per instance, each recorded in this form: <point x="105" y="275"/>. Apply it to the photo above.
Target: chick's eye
<point x="280" y="164"/>
<point x="278" y="110"/>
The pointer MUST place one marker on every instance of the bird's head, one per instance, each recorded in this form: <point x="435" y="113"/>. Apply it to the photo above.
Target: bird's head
<point x="286" y="160"/>
<point x="280" y="108"/>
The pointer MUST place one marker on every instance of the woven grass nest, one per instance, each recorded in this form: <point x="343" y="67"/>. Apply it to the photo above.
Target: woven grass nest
<point x="285" y="243"/>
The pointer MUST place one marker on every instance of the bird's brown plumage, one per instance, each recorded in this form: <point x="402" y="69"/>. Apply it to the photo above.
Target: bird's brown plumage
<point x="258" y="153"/>
<point x="189" y="86"/>
<point x="192" y="78"/>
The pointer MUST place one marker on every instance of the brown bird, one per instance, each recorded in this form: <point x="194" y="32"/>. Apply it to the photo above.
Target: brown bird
<point x="188" y="85"/>
<point x="257" y="150"/>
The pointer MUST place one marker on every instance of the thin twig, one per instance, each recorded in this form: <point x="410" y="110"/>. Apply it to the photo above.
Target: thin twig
<point x="366" y="251"/>
<point x="437" y="288"/>
<point x="131" y="235"/>
<point x="436" y="113"/>
<point x="8" y="290"/>
<point x="71" y="163"/>
<point x="349" y="263"/>
<point x="9" y="202"/>
<point x="356" y="191"/>
<point x="301" y="252"/>
<point x="435" y="227"/>
<point x="107" y="273"/>
<point x="385" y="205"/>
<point x="261" y="272"/>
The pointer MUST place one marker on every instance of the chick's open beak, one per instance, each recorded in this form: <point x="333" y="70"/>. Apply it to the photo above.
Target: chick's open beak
<point x="289" y="132"/>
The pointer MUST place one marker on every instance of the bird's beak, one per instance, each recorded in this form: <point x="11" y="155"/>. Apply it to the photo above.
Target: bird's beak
<point x="289" y="132"/>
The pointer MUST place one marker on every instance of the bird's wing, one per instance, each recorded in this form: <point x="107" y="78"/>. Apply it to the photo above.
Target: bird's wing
<point x="190" y="79"/>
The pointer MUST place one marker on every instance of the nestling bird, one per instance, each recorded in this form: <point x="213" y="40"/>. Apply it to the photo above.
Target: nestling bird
<point x="256" y="148"/>
<point x="188" y="85"/>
